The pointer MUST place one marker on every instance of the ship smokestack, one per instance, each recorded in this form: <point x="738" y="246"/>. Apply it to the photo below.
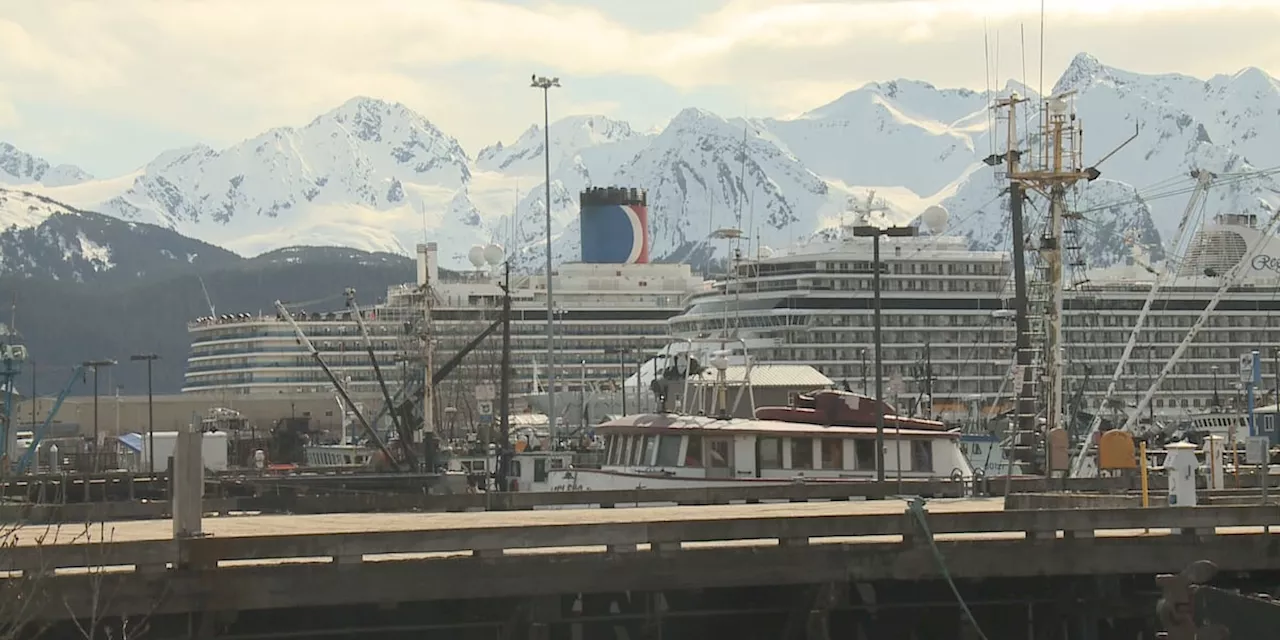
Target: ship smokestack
<point x="615" y="225"/>
<point x="428" y="264"/>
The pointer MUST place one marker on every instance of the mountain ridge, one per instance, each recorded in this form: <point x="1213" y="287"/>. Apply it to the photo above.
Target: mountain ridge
<point x="374" y="175"/>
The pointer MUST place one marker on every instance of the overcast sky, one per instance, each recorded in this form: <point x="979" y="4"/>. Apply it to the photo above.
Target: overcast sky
<point x="109" y="84"/>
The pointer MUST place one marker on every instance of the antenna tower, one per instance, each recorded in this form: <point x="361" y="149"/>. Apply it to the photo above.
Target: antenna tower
<point x="862" y="210"/>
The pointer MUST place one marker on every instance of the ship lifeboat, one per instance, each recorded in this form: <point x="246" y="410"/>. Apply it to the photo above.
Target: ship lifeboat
<point x="832" y="408"/>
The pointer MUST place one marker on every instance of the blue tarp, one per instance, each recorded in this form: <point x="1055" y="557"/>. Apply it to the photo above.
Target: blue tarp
<point x="132" y="440"/>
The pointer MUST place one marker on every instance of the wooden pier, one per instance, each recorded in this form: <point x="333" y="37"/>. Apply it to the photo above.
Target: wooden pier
<point x="529" y="571"/>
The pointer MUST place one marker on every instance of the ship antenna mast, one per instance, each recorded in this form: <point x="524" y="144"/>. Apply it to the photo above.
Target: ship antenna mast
<point x="1060" y="166"/>
<point x="862" y="210"/>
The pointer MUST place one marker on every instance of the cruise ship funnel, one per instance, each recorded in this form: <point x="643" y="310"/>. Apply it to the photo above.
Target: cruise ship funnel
<point x="615" y="225"/>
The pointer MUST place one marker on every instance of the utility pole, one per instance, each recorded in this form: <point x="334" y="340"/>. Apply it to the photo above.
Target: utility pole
<point x="428" y="389"/>
<point x="928" y="377"/>
<point x="863" y="354"/>
<point x="874" y="233"/>
<point x="504" y="385"/>
<point x="151" y="415"/>
<point x="1275" y="414"/>
<point x="539" y="82"/>
<point x="97" y="442"/>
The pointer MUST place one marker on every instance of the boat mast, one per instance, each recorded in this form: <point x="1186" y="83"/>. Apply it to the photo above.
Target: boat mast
<point x="1022" y="448"/>
<point x="1060" y="167"/>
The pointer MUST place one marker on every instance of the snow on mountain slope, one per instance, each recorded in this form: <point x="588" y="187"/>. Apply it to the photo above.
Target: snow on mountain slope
<point x="897" y="133"/>
<point x="585" y="151"/>
<point x="339" y="180"/>
<point x="694" y="174"/>
<point x="46" y="238"/>
<point x="602" y="139"/>
<point x="1183" y="124"/>
<point x="18" y="167"/>
<point x="376" y="176"/>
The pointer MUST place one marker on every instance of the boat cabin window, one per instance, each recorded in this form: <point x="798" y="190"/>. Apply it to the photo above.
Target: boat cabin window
<point x="864" y="454"/>
<point x="539" y="470"/>
<point x="625" y="455"/>
<point x="718" y="454"/>
<point x="637" y="448"/>
<point x="612" y="456"/>
<point x="515" y="469"/>
<point x="832" y="453"/>
<point x="922" y="455"/>
<point x="770" y="453"/>
<point x="693" y="454"/>
<point x="615" y="451"/>
<point x="668" y="451"/>
<point x="557" y="464"/>
<point x="802" y="453"/>
<point x="650" y="448"/>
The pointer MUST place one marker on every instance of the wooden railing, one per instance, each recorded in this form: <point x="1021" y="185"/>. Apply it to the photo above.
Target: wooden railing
<point x="664" y="536"/>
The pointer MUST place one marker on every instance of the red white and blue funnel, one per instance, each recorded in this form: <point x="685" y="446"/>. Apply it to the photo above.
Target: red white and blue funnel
<point x="615" y="225"/>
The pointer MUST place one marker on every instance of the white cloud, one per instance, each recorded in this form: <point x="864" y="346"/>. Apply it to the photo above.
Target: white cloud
<point x="8" y="115"/>
<point x="226" y="70"/>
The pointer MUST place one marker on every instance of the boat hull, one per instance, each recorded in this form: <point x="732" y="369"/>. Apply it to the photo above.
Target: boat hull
<point x="607" y="480"/>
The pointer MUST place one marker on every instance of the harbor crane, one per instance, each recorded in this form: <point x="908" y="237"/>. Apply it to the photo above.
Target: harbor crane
<point x="39" y="432"/>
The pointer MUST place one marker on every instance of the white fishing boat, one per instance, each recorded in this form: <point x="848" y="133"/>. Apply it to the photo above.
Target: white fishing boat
<point x="347" y="451"/>
<point x="826" y="436"/>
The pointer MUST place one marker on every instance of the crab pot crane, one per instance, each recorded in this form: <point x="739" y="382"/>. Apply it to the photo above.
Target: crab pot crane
<point x="337" y="384"/>
<point x="406" y="438"/>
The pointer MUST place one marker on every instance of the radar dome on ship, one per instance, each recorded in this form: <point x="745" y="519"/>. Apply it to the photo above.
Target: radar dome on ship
<point x="476" y="256"/>
<point x="494" y="254"/>
<point x="935" y="219"/>
<point x="614" y="225"/>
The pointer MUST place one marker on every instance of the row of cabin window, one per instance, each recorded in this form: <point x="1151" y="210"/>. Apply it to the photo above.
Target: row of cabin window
<point x="637" y="450"/>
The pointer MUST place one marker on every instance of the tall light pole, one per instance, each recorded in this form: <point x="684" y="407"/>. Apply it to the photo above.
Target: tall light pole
<point x="874" y="233"/>
<point x="95" y="364"/>
<point x="544" y="83"/>
<point x="151" y="415"/>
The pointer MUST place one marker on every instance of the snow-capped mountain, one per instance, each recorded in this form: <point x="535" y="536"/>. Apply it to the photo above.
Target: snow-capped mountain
<point x="352" y="176"/>
<point x="602" y="140"/>
<point x="18" y="167"/>
<point x="902" y="133"/>
<point x="43" y="238"/>
<point x="376" y="176"/>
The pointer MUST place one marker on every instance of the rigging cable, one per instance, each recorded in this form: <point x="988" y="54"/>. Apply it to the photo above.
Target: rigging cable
<point x="916" y="507"/>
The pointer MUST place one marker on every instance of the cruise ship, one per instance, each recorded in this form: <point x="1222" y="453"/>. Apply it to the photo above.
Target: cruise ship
<point x="947" y="338"/>
<point x="948" y="328"/>
<point x="609" y="309"/>
<point x="1102" y="313"/>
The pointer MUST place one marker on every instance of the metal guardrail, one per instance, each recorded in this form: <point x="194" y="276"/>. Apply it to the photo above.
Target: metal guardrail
<point x="663" y="536"/>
